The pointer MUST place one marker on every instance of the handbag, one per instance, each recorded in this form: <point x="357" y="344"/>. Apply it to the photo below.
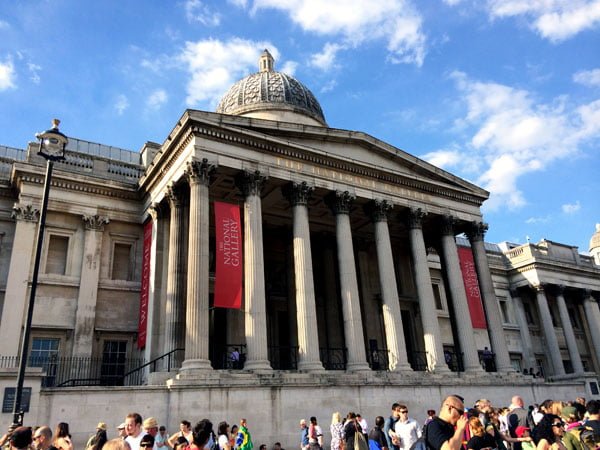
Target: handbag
<point x="360" y="443"/>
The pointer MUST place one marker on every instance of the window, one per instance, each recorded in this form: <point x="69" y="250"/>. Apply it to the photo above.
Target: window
<point x="574" y="318"/>
<point x="515" y="362"/>
<point x="528" y="315"/>
<point x="114" y="355"/>
<point x="437" y="296"/>
<point x="56" y="258"/>
<point x="122" y="267"/>
<point x="504" y="310"/>
<point x="43" y="350"/>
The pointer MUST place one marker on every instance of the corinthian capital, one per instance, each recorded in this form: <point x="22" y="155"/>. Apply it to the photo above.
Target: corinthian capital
<point x="200" y="171"/>
<point x="476" y="231"/>
<point x="250" y="183"/>
<point x="340" y="202"/>
<point x="95" y="222"/>
<point x="25" y="212"/>
<point x="298" y="193"/>
<point x="378" y="210"/>
<point x="414" y="217"/>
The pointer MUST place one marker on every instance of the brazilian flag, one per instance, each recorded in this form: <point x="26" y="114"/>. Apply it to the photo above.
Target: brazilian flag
<point x="244" y="440"/>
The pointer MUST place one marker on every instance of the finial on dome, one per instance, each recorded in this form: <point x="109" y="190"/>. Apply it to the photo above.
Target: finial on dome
<point x="266" y="61"/>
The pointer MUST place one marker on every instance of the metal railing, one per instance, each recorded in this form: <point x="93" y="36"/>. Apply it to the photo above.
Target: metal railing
<point x="225" y="357"/>
<point x="418" y="361"/>
<point x="378" y="359"/>
<point x="454" y="361"/>
<point x="488" y="361"/>
<point x="283" y="357"/>
<point x="333" y="358"/>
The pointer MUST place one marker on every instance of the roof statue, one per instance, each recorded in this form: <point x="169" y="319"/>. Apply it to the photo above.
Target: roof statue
<point x="268" y="94"/>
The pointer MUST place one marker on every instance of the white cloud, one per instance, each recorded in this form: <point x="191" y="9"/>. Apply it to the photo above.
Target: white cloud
<point x="7" y="75"/>
<point x="156" y="99"/>
<point x="555" y="20"/>
<point x="239" y="3"/>
<point x="536" y="220"/>
<point x="289" y="67"/>
<point x="329" y="86"/>
<point x="214" y="66"/>
<point x="443" y="158"/>
<point x="588" y="77"/>
<point x="4" y="24"/>
<point x="325" y="60"/>
<point x="34" y="69"/>
<point x="358" y="21"/>
<point x="511" y="135"/>
<point x="197" y="11"/>
<point x="121" y="104"/>
<point x="571" y="208"/>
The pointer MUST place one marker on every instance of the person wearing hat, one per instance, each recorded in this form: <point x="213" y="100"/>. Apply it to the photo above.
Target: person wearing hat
<point x="524" y="435"/>
<point x="100" y="435"/>
<point x="150" y="426"/>
<point x="121" y="431"/>
<point x="21" y="438"/>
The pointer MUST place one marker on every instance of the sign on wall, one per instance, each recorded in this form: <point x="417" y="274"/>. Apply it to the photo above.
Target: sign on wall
<point x="467" y="267"/>
<point x="145" y="291"/>
<point x="228" y="270"/>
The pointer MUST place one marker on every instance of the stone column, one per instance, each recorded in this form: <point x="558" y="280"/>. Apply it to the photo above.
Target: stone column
<point x="340" y="203"/>
<point x="257" y="358"/>
<point x="197" y="304"/>
<point x="429" y="320"/>
<point x="175" y="307"/>
<point x="151" y="350"/>
<point x="306" y="311"/>
<point x="17" y="284"/>
<point x="85" y="317"/>
<point x="392" y="319"/>
<point x="459" y="297"/>
<point x="490" y="302"/>
<point x="592" y="315"/>
<point x="526" y="345"/>
<point x="548" y="330"/>
<point x="568" y="331"/>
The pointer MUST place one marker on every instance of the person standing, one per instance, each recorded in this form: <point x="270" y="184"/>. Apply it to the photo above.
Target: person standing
<point x="517" y="418"/>
<point x="21" y="438"/>
<point x="162" y="438"/>
<point x="445" y="432"/>
<point x="377" y="440"/>
<point x="303" y="435"/>
<point x="388" y="427"/>
<point x="42" y="439"/>
<point x="135" y="432"/>
<point x="407" y="430"/>
<point x="150" y="426"/>
<point x="244" y="440"/>
<point x="62" y="437"/>
<point x="337" y="431"/>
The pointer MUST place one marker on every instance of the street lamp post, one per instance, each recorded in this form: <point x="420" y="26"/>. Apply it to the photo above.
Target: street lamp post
<point x="52" y="148"/>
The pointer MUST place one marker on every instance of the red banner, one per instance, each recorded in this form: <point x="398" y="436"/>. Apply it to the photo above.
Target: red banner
<point x="144" y="293"/>
<point x="467" y="266"/>
<point x="228" y="272"/>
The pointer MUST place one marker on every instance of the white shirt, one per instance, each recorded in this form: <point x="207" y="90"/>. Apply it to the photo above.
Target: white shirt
<point x="134" y="442"/>
<point x="363" y="425"/>
<point x="408" y="432"/>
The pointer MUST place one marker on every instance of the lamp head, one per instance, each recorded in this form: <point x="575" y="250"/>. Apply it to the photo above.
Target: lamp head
<point x="52" y="142"/>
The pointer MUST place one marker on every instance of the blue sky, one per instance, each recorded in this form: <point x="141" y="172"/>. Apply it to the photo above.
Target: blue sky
<point x="504" y="93"/>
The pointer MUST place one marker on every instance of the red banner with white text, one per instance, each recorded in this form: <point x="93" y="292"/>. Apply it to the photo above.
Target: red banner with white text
<point x="228" y="271"/>
<point x="467" y="266"/>
<point x="145" y="291"/>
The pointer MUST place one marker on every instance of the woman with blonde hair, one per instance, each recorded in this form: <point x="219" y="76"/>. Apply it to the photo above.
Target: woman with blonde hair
<point x="337" y="431"/>
<point x="479" y="438"/>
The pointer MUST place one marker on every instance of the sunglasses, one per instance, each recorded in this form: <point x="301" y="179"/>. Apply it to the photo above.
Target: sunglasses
<point x="558" y="424"/>
<point x="458" y="410"/>
<point x="404" y="411"/>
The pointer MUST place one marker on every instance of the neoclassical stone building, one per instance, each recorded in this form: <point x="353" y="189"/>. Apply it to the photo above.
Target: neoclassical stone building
<point x="352" y="270"/>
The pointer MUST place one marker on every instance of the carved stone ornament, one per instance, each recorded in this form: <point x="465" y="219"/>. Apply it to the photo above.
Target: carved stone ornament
<point x="95" y="222"/>
<point x="476" y="231"/>
<point x="447" y="223"/>
<point x="25" y="212"/>
<point x="415" y="217"/>
<point x="200" y="171"/>
<point x="174" y="196"/>
<point x="298" y="193"/>
<point x="340" y="202"/>
<point x="378" y="210"/>
<point x="154" y="211"/>
<point x="250" y="183"/>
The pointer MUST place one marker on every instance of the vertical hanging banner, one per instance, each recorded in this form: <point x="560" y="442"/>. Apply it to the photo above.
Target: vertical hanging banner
<point x="467" y="267"/>
<point x="145" y="291"/>
<point x="228" y="270"/>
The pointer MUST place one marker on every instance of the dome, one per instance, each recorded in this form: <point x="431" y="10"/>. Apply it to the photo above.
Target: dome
<point x="595" y="240"/>
<point x="272" y="95"/>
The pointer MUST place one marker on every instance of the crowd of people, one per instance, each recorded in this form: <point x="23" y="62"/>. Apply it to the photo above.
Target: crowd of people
<point x="552" y="425"/>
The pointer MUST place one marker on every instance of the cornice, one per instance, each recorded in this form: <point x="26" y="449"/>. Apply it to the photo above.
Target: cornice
<point x="291" y="151"/>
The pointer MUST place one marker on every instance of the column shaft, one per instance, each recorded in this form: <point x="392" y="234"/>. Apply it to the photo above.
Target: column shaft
<point x="353" y="331"/>
<point x="197" y="305"/>
<point x="392" y="318"/>
<point x="568" y="332"/>
<point x="254" y="274"/>
<point x="431" y="327"/>
<point x="459" y="298"/>
<point x="85" y="316"/>
<point x="490" y="302"/>
<point x="17" y="284"/>
<point x="549" y="333"/>
<point x="175" y="305"/>
<point x="526" y="345"/>
<point x="592" y="315"/>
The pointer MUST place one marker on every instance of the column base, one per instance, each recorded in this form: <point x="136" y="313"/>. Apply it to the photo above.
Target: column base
<point x="441" y="369"/>
<point x="258" y="365"/>
<point x="402" y="368"/>
<point x="358" y="367"/>
<point x="194" y="366"/>
<point x="475" y="370"/>
<point x="310" y="366"/>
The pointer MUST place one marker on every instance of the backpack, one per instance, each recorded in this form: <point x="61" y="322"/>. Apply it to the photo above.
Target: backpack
<point x="586" y="436"/>
<point x="422" y="443"/>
